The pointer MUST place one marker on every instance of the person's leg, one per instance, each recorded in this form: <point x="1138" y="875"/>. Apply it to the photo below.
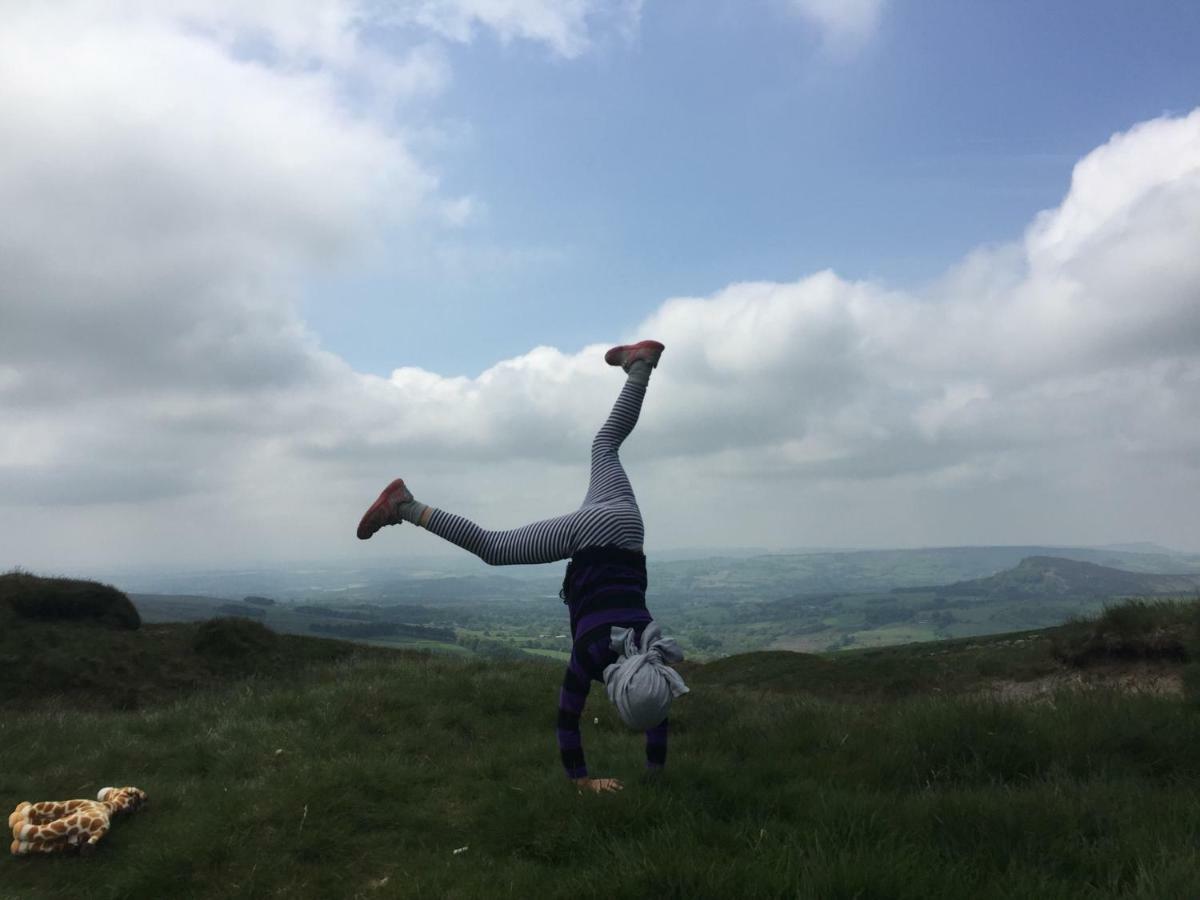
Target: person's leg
<point x="613" y="517"/>
<point x="616" y="522"/>
<point x="608" y="479"/>
<point x="540" y="542"/>
<point x="609" y="514"/>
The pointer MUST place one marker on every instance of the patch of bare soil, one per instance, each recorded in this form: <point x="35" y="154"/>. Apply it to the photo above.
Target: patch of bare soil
<point x="1143" y="678"/>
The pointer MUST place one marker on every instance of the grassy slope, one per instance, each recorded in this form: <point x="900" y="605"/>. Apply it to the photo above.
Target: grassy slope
<point x="878" y="773"/>
<point x="165" y="608"/>
<point x="118" y="669"/>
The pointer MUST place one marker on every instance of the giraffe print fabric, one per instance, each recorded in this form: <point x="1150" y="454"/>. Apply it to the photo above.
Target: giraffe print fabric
<point x="55" y="826"/>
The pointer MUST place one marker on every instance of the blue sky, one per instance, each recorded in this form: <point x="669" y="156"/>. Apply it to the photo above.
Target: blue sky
<point x="727" y="142"/>
<point x="926" y="271"/>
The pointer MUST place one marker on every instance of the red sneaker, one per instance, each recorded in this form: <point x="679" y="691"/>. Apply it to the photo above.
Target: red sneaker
<point x="626" y="354"/>
<point x="385" y="510"/>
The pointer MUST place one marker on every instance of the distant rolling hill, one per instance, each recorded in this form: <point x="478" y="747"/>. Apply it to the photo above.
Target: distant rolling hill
<point x="1053" y="577"/>
<point x="782" y="575"/>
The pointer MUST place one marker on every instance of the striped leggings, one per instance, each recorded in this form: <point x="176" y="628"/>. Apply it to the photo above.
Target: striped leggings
<point x="609" y="514"/>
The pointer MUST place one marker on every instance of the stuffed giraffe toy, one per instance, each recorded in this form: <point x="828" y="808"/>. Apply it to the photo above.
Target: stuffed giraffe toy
<point x="55" y="826"/>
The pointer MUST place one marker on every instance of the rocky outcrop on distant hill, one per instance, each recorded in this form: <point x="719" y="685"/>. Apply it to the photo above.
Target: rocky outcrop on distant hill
<point x="1043" y="577"/>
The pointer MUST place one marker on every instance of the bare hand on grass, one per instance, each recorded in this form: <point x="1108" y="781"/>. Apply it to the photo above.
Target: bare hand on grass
<point x="598" y="785"/>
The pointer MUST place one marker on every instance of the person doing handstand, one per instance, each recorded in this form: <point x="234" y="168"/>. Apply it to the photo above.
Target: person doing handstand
<point x="614" y="638"/>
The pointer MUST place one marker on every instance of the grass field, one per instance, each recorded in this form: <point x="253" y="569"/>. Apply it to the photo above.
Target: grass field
<point x="873" y="773"/>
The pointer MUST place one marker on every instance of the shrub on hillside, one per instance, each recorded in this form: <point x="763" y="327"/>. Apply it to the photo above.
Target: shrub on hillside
<point x="34" y="597"/>
<point x="232" y="638"/>
<point x="1135" y="629"/>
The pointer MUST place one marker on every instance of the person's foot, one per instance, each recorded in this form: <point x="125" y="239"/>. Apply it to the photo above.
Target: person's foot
<point x="385" y="510"/>
<point x="627" y="354"/>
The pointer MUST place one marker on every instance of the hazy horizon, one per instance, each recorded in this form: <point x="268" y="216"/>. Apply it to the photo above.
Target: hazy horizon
<point x="926" y="273"/>
<point x="458" y="563"/>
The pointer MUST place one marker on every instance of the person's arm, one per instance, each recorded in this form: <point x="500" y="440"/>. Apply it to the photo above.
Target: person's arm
<point x="575" y="687"/>
<point x="656" y="746"/>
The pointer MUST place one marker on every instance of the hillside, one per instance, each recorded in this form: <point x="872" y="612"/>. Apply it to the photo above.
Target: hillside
<point x="718" y="606"/>
<point x="31" y="597"/>
<point x="1055" y="578"/>
<point x="905" y="772"/>
<point x="66" y="654"/>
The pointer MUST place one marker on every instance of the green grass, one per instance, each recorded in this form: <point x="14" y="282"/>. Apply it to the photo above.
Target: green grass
<point x="872" y="773"/>
<point x="108" y="668"/>
<point x="956" y="666"/>
<point x="548" y="654"/>
<point x="432" y="646"/>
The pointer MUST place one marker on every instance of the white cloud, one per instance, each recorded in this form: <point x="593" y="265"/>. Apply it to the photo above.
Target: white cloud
<point x="164" y="189"/>
<point x="167" y="182"/>
<point x="844" y="24"/>
<point x="566" y="26"/>
<point x="170" y="173"/>
<point x="1023" y="374"/>
<point x="177" y="165"/>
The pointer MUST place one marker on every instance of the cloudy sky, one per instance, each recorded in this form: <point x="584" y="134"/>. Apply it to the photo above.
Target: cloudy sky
<point x="927" y="273"/>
